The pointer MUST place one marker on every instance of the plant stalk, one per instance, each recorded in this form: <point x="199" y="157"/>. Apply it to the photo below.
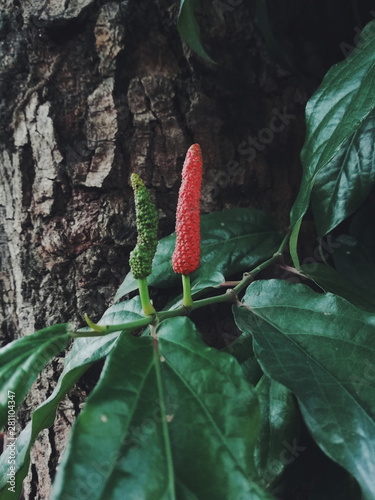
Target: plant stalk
<point x="107" y="329"/>
<point x="147" y="307"/>
<point x="187" y="300"/>
<point x="188" y="303"/>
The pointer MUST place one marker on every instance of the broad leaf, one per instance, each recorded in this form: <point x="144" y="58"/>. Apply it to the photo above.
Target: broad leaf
<point x="123" y="312"/>
<point x="22" y="360"/>
<point x="279" y="429"/>
<point x="353" y="261"/>
<point x="125" y="418"/>
<point x="322" y="349"/>
<point x="275" y="48"/>
<point x="84" y="352"/>
<point x="180" y="418"/>
<point x="335" y="115"/>
<point x="183" y="493"/>
<point x="345" y="182"/>
<point x="330" y="280"/>
<point x="231" y="241"/>
<point x="242" y="350"/>
<point x="215" y="415"/>
<point x="189" y="28"/>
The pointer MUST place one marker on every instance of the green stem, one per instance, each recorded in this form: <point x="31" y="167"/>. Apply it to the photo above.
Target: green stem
<point x="180" y="311"/>
<point x="147" y="307"/>
<point x="187" y="300"/>
<point x="229" y="296"/>
<point x="249" y="277"/>
<point x="105" y="330"/>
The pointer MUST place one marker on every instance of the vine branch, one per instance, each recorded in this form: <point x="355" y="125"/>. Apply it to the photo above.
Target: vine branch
<point x="230" y="296"/>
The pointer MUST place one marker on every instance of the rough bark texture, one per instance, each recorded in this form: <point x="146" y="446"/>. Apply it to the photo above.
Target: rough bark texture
<point x="92" y="91"/>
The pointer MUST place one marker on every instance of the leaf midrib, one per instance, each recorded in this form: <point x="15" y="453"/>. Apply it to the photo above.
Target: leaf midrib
<point x="198" y="399"/>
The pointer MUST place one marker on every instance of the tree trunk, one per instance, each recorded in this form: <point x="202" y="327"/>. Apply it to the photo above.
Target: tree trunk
<point x="92" y="91"/>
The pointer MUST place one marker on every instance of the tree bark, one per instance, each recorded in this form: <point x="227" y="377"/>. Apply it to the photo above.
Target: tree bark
<point x="92" y="91"/>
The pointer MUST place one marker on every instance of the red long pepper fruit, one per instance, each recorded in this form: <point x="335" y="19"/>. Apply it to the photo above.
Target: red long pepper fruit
<point x="186" y="255"/>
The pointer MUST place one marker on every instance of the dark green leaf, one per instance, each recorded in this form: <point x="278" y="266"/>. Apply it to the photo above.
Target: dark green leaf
<point x="189" y="28"/>
<point x="242" y="350"/>
<point x="279" y="429"/>
<point x="231" y="241"/>
<point x="178" y="417"/>
<point x="345" y="182"/>
<point x="123" y="312"/>
<point x="22" y="360"/>
<point x="126" y="420"/>
<point x="215" y="416"/>
<point x="330" y="280"/>
<point x="184" y="493"/>
<point x="322" y="349"/>
<point x="274" y="46"/>
<point x="84" y="352"/>
<point x="334" y="116"/>
<point x="353" y="261"/>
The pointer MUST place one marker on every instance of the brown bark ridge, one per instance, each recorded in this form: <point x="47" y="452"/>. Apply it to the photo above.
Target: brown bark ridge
<point x="92" y="91"/>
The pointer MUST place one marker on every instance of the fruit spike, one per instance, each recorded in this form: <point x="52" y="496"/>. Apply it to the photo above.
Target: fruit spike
<point x="147" y="226"/>
<point x="186" y="256"/>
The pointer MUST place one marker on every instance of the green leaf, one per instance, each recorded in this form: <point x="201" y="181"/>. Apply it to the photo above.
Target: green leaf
<point x="334" y="116"/>
<point x="330" y="280"/>
<point x="346" y="181"/>
<point x="274" y="46"/>
<point x="278" y="431"/>
<point x="125" y="419"/>
<point x="123" y="312"/>
<point x="215" y="415"/>
<point x="353" y="261"/>
<point x="354" y="276"/>
<point x="183" y="493"/>
<point x="22" y="360"/>
<point x="242" y="350"/>
<point x="322" y="349"/>
<point x="84" y="352"/>
<point x="189" y="29"/>
<point x="231" y="241"/>
<point x="180" y="416"/>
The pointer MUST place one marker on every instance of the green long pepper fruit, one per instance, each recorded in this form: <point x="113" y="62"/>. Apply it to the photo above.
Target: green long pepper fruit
<point x="147" y="225"/>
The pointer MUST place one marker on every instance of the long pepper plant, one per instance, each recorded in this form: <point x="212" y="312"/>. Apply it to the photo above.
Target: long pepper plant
<point x="172" y="418"/>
